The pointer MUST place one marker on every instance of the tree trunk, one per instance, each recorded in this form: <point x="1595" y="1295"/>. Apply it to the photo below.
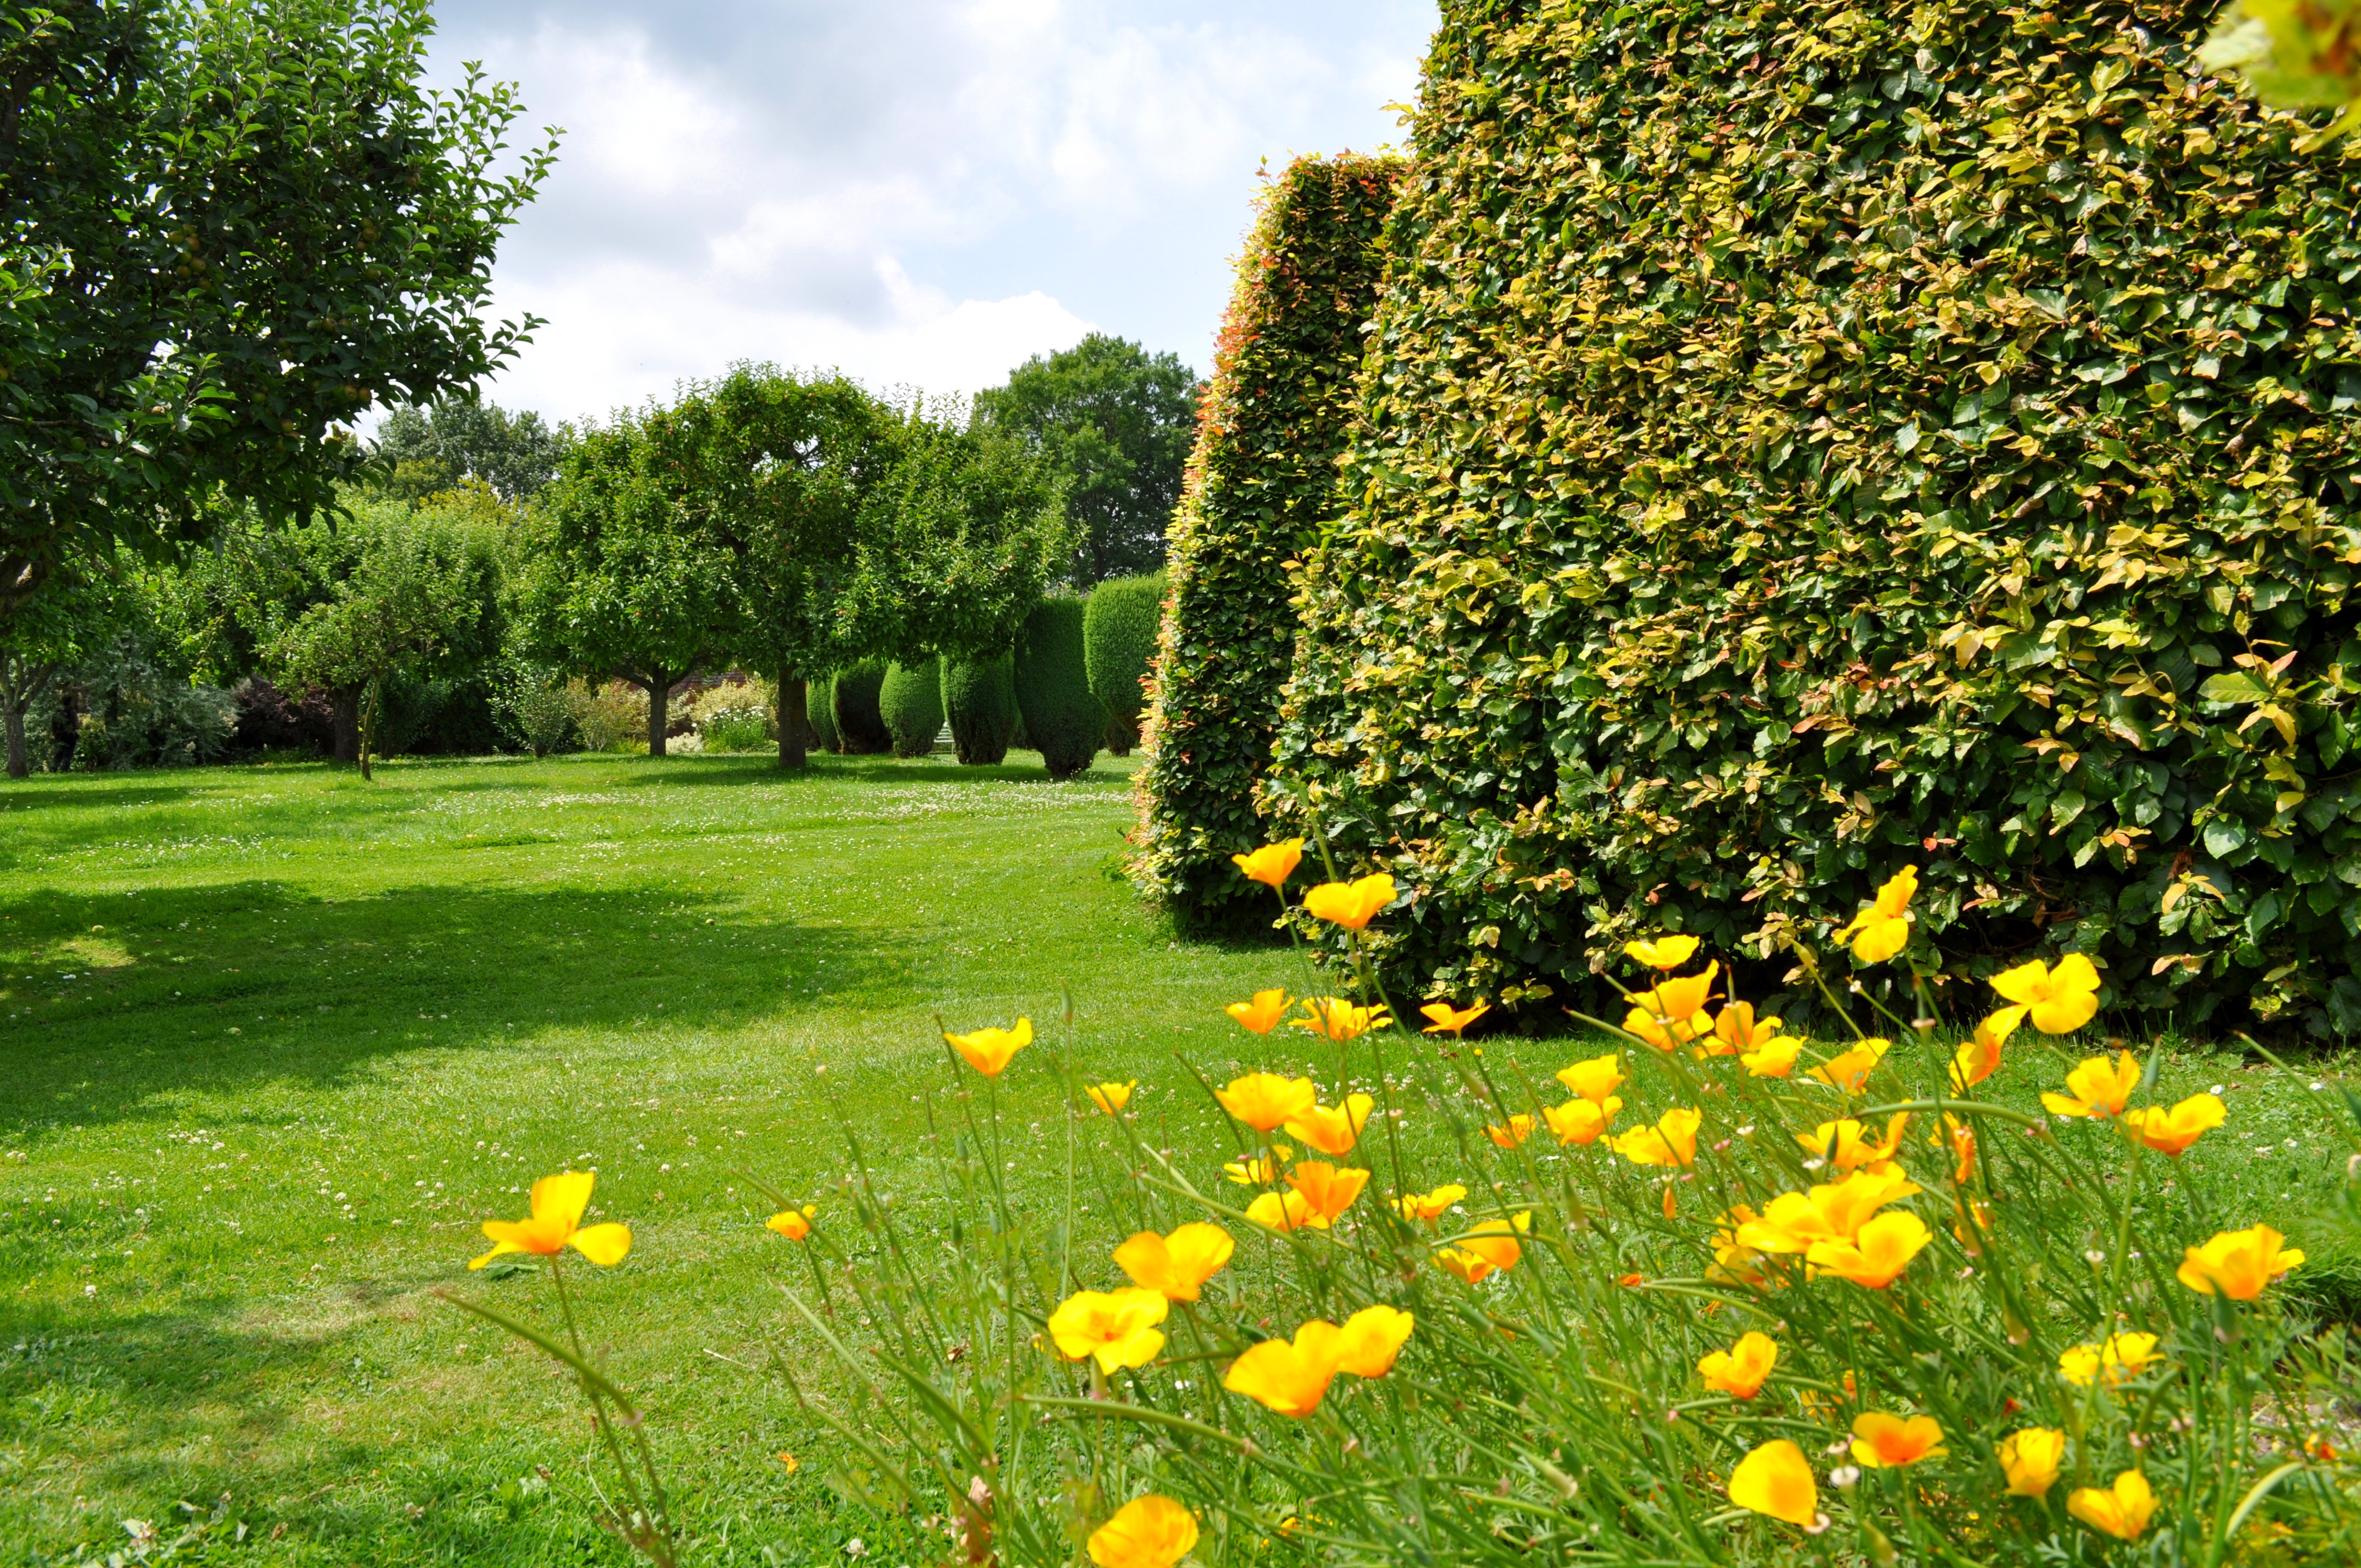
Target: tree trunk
<point x="795" y="721"/>
<point x="20" y="764"/>
<point x="346" y="702"/>
<point x="659" y="688"/>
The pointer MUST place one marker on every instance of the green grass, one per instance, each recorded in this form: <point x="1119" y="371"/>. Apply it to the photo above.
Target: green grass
<point x="275" y="1042"/>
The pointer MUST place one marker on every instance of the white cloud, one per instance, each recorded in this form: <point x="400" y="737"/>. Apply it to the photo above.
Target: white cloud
<point x="915" y="191"/>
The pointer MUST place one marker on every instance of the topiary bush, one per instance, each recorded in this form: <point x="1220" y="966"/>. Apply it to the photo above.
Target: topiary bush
<point x="1119" y="625"/>
<point x="1803" y="435"/>
<point x="820" y="706"/>
<point x="1063" y="719"/>
<point x="911" y="702"/>
<point x="980" y="703"/>
<point x="1262" y="484"/>
<point x="860" y="727"/>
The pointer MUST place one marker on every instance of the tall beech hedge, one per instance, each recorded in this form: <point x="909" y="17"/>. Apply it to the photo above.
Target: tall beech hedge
<point x="1262" y="483"/>
<point x="1809" y="437"/>
<point x="1120" y="622"/>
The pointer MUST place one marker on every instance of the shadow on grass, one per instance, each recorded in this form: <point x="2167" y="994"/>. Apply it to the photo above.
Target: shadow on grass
<point x="224" y="987"/>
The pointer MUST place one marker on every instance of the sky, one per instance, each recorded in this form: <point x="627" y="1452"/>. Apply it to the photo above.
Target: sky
<point x="922" y="193"/>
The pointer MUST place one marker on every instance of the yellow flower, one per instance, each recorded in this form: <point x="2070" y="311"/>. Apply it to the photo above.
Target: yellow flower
<point x="1883" y="928"/>
<point x="2122" y="1358"/>
<point x="1979" y="1058"/>
<point x="1326" y="1192"/>
<point x="1147" y="1532"/>
<point x="1111" y="1097"/>
<point x="1671" y="1141"/>
<point x="1259" y="1171"/>
<point x="1115" y="1328"/>
<point x="2122" y="1510"/>
<point x="2236" y="1263"/>
<point x="2099" y="1088"/>
<point x="1877" y="1255"/>
<point x="1673" y="1013"/>
<point x="1831" y="1212"/>
<point x="1776" y="1479"/>
<point x="1370" y="1339"/>
<point x="1334" y="1130"/>
<point x="1774" y="1058"/>
<point x="1176" y="1266"/>
<point x="1666" y="953"/>
<point x="1849" y="1070"/>
<point x="1264" y="1100"/>
<point x="1445" y="1019"/>
<point x="558" y="1203"/>
<point x="1739" y="1031"/>
<point x="1962" y="1137"/>
<point x="1741" y="1370"/>
<point x="1430" y="1205"/>
<point x="1881" y="1442"/>
<point x="1596" y="1078"/>
<point x="1263" y="1014"/>
<point x="2060" y="1000"/>
<point x="1489" y="1246"/>
<point x="1273" y="863"/>
<point x="1352" y="904"/>
<point x="1733" y="1261"/>
<point x="2172" y="1132"/>
<point x="989" y="1051"/>
<point x="793" y="1223"/>
<point x="1643" y="1025"/>
<point x="1520" y="1128"/>
<point x="2030" y="1458"/>
<point x="1283" y="1212"/>
<point x="1847" y="1144"/>
<point x="1580" y="1122"/>
<point x="1290" y="1377"/>
<point x="1334" y="1018"/>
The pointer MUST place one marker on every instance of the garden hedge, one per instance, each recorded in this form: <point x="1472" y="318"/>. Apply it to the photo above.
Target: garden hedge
<point x="820" y="708"/>
<point x="980" y="700"/>
<point x="1262" y="482"/>
<point x="860" y="726"/>
<point x="910" y="700"/>
<point x="1119" y="626"/>
<point x="1063" y="719"/>
<point x="1807" y="438"/>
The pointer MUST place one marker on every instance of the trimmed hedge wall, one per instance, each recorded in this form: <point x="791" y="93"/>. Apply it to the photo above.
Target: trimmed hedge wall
<point x="1119" y="626"/>
<point x="1805" y="438"/>
<point x="910" y="700"/>
<point x="980" y="700"/>
<point x="820" y="706"/>
<point x="1062" y="720"/>
<point x="1262" y="483"/>
<point x="860" y="727"/>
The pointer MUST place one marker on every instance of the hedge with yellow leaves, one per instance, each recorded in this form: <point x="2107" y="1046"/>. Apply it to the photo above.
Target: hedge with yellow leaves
<point x="1804" y="433"/>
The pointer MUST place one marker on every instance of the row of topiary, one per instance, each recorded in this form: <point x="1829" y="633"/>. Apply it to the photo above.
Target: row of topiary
<point x="1073" y="683"/>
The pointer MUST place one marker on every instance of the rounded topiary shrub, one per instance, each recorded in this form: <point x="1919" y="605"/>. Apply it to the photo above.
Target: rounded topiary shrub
<point x="1119" y="624"/>
<point x="911" y="701"/>
<point x="860" y="727"/>
<point x="1063" y="719"/>
<point x="980" y="700"/>
<point x="821" y="712"/>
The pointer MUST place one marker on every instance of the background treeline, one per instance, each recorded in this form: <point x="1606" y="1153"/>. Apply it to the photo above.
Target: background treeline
<point x="1894" y="433"/>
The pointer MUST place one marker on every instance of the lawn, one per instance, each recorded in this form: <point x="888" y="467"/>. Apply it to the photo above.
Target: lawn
<point x="276" y="1041"/>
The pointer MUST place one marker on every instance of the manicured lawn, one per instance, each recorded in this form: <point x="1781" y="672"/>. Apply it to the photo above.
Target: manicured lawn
<point x="275" y="1041"/>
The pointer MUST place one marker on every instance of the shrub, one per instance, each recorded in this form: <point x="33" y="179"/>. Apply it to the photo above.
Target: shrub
<point x="609" y="717"/>
<point x="1896" y="425"/>
<point x="860" y="727"/>
<point x="820" y="703"/>
<point x="735" y="715"/>
<point x="270" y="719"/>
<point x="980" y="700"/>
<point x="911" y="700"/>
<point x="1262" y="484"/>
<point x="1063" y="719"/>
<point x="1119" y="624"/>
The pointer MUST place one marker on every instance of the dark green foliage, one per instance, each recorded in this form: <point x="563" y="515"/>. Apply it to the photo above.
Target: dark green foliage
<point x="419" y="452"/>
<point x="910" y="700"/>
<point x="1062" y="720"/>
<point x="1262" y="484"/>
<point x="980" y="700"/>
<point x="1806" y="439"/>
<point x="1114" y="421"/>
<point x="1119" y="623"/>
<point x="860" y="727"/>
<point x="226" y="232"/>
<point x="821" y="713"/>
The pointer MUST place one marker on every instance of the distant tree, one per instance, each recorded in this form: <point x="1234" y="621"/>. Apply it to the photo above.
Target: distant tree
<point x="45" y="638"/>
<point x="1117" y="422"/>
<point x="227" y="230"/>
<point x="420" y="451"/>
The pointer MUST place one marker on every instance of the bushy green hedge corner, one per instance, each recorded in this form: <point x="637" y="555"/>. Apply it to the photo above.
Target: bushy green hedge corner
<point x="1805" y="438"/>
<point x="1119" y="625"/>
<point x="1064" y="722"/>
<point x="980" y="700"/>
<point x="860" y="726"/>
<point x="910" y="700"/>
<point x="1262" y="485"/>
<point x="820" y="706"/>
